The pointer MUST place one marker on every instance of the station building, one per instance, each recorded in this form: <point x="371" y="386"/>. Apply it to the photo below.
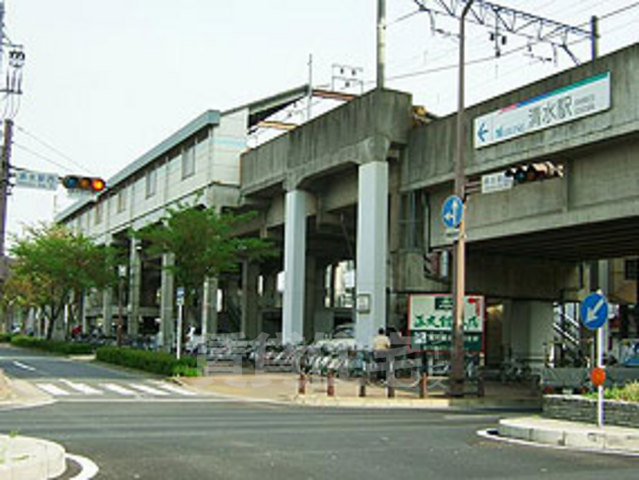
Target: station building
<point x="363" y="185"/>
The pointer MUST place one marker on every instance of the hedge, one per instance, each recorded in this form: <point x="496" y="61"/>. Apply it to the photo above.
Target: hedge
<point x="54" y="346"/>
<point x="5" y="337"/>
<point x="154" y="362"/>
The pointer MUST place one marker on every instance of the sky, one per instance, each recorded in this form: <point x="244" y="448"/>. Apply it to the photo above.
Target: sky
<point x="105" y="81"/>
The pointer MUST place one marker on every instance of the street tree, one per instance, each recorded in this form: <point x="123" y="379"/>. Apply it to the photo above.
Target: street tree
<point x="205" y="244"/>
<point x="54" y="266"/>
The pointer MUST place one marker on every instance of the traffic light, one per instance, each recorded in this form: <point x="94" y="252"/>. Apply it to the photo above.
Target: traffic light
<point x="532" y="172"/>
<point x="87" y="184"/>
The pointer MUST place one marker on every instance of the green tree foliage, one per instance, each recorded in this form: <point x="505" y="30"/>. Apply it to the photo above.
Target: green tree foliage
<point x="204" y="244"/>
<point x="53" y="266"/>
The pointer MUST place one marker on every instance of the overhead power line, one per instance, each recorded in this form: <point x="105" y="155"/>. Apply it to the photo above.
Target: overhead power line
<point x="504" y="19"/>
<point x="39" y="155"/>
<point x="53" y="149"/>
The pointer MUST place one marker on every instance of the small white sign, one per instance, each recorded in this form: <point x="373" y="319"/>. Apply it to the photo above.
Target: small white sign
<point x="587" y="97"/>
<point x="496" y="182"/>
<point x="38" y="180"/>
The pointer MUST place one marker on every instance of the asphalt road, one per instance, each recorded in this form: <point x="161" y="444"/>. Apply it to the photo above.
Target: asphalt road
<point x="208" y="438"/>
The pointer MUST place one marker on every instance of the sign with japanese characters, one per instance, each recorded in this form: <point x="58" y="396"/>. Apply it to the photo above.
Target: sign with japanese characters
<point x="39" y="180"/>
<point x="431" y="321"/>
<point x="586" y="97"/>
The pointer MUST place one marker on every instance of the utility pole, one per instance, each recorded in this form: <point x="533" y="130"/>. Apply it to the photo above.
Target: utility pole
<point x="4" y="189"/>
<point x="457" y="374"/>
<point x="381" y="42"/>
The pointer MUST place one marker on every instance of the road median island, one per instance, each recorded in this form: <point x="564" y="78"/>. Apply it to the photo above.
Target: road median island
<point x="30" y="458"/>
<point x="576" y="435"/>
<point x="153" y="362"/>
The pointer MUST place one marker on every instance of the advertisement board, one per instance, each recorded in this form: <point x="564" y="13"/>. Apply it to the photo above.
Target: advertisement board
<point x="430" y="321"/>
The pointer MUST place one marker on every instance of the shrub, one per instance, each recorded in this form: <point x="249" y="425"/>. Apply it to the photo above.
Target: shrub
<point x="627" y="393"/>
<point x="54" y="346"/>
<point x="154" y="362"/>
<point x="5" y="337"/>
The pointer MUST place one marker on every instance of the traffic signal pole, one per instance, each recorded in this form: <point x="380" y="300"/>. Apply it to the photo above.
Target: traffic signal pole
<point x="456" y="379"/>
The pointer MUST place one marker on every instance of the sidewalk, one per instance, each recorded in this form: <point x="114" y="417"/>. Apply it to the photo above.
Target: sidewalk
<point x="16" y="393"/>
<point x="571" y="434"/>
<point x="283" y="387"/>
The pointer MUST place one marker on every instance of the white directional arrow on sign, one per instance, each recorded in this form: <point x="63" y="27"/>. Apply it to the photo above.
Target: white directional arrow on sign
<point x="592" y="312"/>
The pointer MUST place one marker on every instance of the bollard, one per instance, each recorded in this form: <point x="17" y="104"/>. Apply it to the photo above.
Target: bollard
<point x="390" y="380"/>
<point x="362" y="386"/>
<point x="481" y="385"/>
<point x="301" y="389"/>
<point x="330" y="388"/>
<point x="423" y="386"/>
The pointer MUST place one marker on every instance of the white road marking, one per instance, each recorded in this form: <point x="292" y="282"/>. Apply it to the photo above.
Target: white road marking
<point x="23" y="366"/>
<point x="117" y="389"/>
<point x="147" y="389"/>
<point x="52" y="389"/>
<point x="174" y="389"/>
<point x="82" y="387"/>
<point x="89" y="468"/>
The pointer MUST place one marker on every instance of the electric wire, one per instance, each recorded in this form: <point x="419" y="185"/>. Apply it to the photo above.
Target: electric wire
<point x="39" y="155"/>
<point x="503" y="54"/>
<point x="53" y="149"/>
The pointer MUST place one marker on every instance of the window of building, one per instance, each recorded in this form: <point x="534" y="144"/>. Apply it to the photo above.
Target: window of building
<point x="188" y="161"/>
<point x="122" y="200"/>
<point x="411" y="222"/>
<point x="631" y="268"/>
<point x="151" y="182"/>
<point x="99" y="207"/>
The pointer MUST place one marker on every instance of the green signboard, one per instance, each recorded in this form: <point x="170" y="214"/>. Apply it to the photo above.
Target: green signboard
<point x="431" y="321"/>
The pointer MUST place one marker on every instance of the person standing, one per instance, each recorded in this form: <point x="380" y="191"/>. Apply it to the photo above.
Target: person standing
<point x="381" y="345"/>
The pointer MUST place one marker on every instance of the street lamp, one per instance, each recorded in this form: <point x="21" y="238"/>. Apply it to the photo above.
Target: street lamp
<point x="456" y="386"/>
<point x="121" y="277"/>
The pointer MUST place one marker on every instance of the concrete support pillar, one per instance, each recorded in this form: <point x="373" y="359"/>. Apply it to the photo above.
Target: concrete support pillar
<point x="372" y="241"/>
<point x="135" y="283"/>
<point x="528" y="328"/>
<point x="107" y="311"/>
<point x="209" y="308"/>
<point x="250" y="275"/>
<point x="294" y="266"/>
<point x="167" y="289"/>
<point x="310" y="303"/>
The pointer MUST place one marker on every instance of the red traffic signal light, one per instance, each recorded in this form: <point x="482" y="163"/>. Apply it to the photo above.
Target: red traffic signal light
<point x="89" y="184"/>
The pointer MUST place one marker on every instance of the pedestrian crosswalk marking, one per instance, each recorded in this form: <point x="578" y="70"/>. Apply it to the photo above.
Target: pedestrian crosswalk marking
<point x="153" y="388"/>
<point x="175" y="389"/>
<point x="118" y="389"/>
<point x="147" y="389"/>
<point x="52" y="389"/>
<point x="82" y="387"/>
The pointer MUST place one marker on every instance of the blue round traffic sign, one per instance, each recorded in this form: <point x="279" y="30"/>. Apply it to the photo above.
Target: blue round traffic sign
<point x="452" y="211"/>
<point x="594" y="311"/>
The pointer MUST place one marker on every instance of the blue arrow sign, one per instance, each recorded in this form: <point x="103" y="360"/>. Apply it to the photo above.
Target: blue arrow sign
<point x="452" y="211"/>
<point x="594" y="311"/>
<point x="481" y="132"/>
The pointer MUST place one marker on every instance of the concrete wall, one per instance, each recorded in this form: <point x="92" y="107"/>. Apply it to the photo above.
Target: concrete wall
<point x="430" y="152"/>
